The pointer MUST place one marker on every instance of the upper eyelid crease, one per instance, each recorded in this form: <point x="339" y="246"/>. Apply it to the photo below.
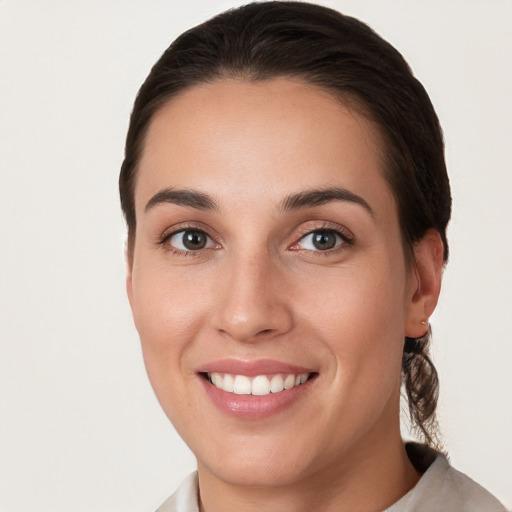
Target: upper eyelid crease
<point x="346" y="236"/>
<point x="174" y="231"/>
<point x="166" y="237"/>
<point x="342" y="230"/>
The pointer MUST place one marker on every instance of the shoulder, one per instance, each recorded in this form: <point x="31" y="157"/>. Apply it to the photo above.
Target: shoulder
<point x="185" y="497"/>
<point x="442" y="487"/>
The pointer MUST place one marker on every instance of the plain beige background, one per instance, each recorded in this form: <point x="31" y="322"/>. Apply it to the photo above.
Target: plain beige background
<point x="80" y="428"/>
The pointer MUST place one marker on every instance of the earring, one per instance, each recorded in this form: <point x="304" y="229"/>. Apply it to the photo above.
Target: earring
<point x="423" y="322"/>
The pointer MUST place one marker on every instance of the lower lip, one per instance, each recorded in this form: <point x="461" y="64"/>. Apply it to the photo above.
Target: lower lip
<point x="254" y="406"/>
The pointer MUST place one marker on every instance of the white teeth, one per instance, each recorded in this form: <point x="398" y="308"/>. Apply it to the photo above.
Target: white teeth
<point x="276" y="384"/>
<point x="217" y="380"/>
<point x="289" y="382"/>
<point x="229" y="383"/>
<point x="242" y="385"/>
<point x="260" y="385"/>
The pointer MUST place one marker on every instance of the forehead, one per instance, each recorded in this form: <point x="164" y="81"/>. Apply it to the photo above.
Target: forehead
<point x="270" y="137"/>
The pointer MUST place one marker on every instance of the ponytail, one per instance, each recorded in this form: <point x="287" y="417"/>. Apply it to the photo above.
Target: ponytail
<point x="421" y="386"/>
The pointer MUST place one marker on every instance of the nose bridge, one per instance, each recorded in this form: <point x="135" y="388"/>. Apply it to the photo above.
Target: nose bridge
<point x="253" y="304"/>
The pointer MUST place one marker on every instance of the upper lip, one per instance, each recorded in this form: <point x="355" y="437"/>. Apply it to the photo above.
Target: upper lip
<point x="252" y="368"/>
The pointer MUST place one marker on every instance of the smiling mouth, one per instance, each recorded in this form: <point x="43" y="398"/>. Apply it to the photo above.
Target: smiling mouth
<point x="259" y="385"/>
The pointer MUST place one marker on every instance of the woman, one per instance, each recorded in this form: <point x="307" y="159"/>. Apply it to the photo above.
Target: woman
<point x="286" y="197"/>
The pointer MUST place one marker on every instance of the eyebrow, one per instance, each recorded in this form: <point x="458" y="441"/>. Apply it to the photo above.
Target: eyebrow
<point x="318" y="197"/>
<point x="182" y="197"/>
<point x="301" y="200"/>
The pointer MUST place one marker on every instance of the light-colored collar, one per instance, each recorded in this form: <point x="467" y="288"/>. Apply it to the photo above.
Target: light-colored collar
<point x="440" y="488"/>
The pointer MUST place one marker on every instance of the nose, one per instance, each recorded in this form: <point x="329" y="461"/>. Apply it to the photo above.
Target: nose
<point x="252" y="303"/>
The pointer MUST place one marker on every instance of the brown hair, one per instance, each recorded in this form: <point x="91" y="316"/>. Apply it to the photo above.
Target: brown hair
<point x="260" y="41"/>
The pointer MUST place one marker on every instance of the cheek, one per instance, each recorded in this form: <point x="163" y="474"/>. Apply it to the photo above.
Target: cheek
<point x="166" y="312"/>
<point x="164" y="305"/>
<point x="368" y="299"/>
<point x="360" y="315"/>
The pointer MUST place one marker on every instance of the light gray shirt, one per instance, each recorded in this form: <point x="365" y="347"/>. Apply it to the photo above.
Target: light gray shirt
<point x="440" y="489"/>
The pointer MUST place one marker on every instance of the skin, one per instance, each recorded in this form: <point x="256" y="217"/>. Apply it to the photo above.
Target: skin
<point x="260" y="289"/>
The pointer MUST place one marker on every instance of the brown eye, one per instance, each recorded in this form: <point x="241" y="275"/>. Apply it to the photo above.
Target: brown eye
<point x="194" y="240"/>
<point x="190" y="240"/>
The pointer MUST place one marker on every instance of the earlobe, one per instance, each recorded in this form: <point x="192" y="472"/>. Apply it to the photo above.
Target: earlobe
<point x="425" y="284"/>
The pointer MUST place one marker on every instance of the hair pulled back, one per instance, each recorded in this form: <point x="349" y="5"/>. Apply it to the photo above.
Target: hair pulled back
<point x="342" y="55"/>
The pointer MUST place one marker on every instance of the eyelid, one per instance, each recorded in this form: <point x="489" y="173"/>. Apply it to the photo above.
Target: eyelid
<point x="312" y="226"/>
<point x="180" y="228"/>
<point x="308" y="229"/>
<point x="305" y="229"/>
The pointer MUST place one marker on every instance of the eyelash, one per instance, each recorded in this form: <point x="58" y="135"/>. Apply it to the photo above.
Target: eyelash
<point x="183" y="229"/>
<point x="346" y="237"/>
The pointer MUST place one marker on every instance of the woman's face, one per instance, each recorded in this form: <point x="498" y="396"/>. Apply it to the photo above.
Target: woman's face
<point x="267" y="252"/>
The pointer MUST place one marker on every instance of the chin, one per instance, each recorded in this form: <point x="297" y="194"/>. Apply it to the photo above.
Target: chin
<point x="259" y="461"/>
<point x="263" y="472"/>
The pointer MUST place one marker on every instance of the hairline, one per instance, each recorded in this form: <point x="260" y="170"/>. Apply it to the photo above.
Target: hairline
<point x="352" y="100"/>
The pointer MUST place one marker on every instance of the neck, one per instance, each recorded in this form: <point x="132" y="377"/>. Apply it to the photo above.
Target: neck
<point x="372" y="477"/>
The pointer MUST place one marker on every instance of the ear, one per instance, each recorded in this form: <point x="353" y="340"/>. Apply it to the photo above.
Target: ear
<point x="425" y="283"/>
